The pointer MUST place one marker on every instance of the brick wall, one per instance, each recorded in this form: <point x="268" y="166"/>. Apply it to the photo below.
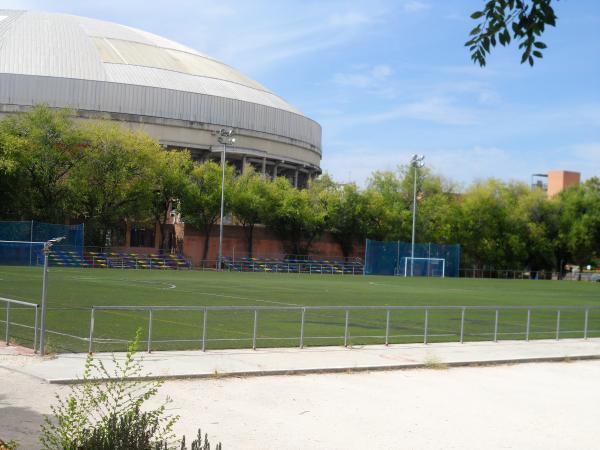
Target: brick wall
<point x="265" y="243"/>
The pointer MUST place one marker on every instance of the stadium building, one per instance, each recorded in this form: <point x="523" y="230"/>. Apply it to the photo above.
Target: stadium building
<point x="172" y="92"/>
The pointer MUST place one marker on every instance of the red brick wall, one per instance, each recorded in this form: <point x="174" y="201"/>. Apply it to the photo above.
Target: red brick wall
<point x="265" y="243"/>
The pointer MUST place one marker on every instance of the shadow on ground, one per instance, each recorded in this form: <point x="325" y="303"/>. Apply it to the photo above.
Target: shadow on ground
<point x="21" y="424"/>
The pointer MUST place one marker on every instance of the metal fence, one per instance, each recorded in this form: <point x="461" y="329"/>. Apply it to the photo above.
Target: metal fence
<point x="509" y="274"/>
<point x="332" y="268"/>
<point x="348" y="312"/>
<point x="237" y="256"/>
<point x="15" y="306"/>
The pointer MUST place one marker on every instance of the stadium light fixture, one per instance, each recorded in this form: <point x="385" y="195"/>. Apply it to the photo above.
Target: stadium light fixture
<point x="417" y="163"/>
<point x="47" y="246"/>
<point x="225" y="137"/>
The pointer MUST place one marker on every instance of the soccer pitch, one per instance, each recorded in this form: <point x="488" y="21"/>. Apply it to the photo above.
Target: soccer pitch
<point x="72" y="293"/>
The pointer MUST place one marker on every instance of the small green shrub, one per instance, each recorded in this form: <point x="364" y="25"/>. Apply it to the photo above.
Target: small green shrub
<point x="199" y="443"/>
<point x="14" y="445"/>
<point x="433" y="362"/>
<point x="108" y="415"/>
<point x="133" y="430"/>
<point x="109" y="411"/>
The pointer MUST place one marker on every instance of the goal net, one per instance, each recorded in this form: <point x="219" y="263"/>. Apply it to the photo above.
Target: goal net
<point x="429" y="259"/>
<point x="20" y="253"/>
<point x="21" y="243"/>
<point x="422" y="267"/>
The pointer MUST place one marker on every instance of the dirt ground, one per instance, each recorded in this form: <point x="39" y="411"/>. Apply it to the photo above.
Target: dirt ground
<point x="533" y="406"/>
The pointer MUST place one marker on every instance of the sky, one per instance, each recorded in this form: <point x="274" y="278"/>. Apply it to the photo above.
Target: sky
<point x="390" y="78"/>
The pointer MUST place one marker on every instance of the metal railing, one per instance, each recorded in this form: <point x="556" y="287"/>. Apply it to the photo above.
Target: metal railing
<point x="236" y="256"/>
<point x="309" y="267"/>
<point x="11" y="305"/>
<point x="508" y="274"/>
<point x="347" y="310"/>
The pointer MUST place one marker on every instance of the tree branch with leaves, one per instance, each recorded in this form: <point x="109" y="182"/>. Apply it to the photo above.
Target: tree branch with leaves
<point x="502" y="21"/>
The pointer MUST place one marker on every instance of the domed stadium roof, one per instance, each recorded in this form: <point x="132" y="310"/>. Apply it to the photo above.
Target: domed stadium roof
<point x="86" y="64"/>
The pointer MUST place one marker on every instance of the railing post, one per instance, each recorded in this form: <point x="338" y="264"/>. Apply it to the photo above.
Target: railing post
<point x="91" y="339"/>
<point x="35" y="330"/>
<point x="254" y="331"/>
<point x="7" y="322"/>
<point x="558" y="325"/>
<point x="204" y="324"/>
<point x="528" y="327"/>
<point x="302" y="328"/>
<point x="346" y="329"/>
<point x="425" y="326"/>
<point x="462" y="325"/>
<point x="387" y="327"/>
<point x="496" y="326"/>
<point x="149" y="330"/>
<point x="585" y="324"/>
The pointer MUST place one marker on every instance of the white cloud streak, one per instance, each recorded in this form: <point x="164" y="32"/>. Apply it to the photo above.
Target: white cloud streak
<point x="373" y="77"/>
<point x="415" y="6"/>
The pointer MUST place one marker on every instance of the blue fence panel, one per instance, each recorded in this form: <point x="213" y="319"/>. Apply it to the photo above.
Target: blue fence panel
<point x="27" y="253"/>
<point x="391" y="258"/>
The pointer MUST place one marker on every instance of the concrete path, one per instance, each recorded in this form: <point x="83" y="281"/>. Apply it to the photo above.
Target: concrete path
<point x="67" y="368"/>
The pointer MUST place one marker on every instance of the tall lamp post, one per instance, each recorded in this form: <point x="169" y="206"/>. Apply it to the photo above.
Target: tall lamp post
<point x="47" y="246"/>
<point x="226" y="138"/>
<point x="416" y="162"/>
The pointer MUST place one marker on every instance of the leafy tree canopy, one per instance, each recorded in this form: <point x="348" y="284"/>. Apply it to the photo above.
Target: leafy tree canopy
<point x="502" y="21"/>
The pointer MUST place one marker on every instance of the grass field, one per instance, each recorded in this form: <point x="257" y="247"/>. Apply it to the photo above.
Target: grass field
<point x="73" y="291"/>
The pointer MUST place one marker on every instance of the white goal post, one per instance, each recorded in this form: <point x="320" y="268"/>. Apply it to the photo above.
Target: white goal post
<point x="436" y="267"/>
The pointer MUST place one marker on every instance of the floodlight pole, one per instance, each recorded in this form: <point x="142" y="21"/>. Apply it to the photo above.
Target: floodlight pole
<point x="47" y="246"/>
<point x="224" y="137"/>
<point x="416" y="162"/>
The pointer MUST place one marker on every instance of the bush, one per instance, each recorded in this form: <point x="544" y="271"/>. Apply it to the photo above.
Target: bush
<point x="133" y="430"/>
<point x="199" y="443"/>
<point x="99" y="411"/>
<point x="104" y="412"/>
<point x="13" y="445"/>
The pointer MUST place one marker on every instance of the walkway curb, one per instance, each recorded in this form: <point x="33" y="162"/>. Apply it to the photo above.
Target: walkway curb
<point x="241" y="363"/>
<point x="333" y="370"/>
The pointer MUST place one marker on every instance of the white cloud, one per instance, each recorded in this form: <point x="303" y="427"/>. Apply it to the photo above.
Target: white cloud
<point x="583" y="157"/>
<point x="349" y="161"/>
<point x="430" y="109"/>
<point x="372" y="77"/>
<point x="357" y="163"/>
<point x="414" y="6"/>
<point x="270" y="36"/>
<point x="589" y="151"/>
<point x="349" y="19"/>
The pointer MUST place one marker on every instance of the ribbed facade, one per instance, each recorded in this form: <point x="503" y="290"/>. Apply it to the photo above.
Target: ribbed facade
<point x="95" y="66"/>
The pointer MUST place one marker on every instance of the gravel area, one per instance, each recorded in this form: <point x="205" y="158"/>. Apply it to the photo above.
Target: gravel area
<point x="533" y="406"/>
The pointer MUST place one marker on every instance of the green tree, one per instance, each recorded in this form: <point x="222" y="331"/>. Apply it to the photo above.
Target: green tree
<point x="579" y="233"/>
<point x="436" y="204"/>
<point x="347" y="212"/>
<point x="171" y="175"/>
<point x="537" y="220"/>
<point x="298" y="217"/>
<point x="201" y="200"/>
<point x="114" y="180"/>
<point x="487" y="232"/>
<point x="249" y="202"/>
<point x="377" y="216"/>
<point x="501" y="21"/>
<point x="38" y="150"/>
<point x="389" y="215"/>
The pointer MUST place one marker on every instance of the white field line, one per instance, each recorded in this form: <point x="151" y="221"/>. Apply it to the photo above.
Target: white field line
<point x="170" y="285"/>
